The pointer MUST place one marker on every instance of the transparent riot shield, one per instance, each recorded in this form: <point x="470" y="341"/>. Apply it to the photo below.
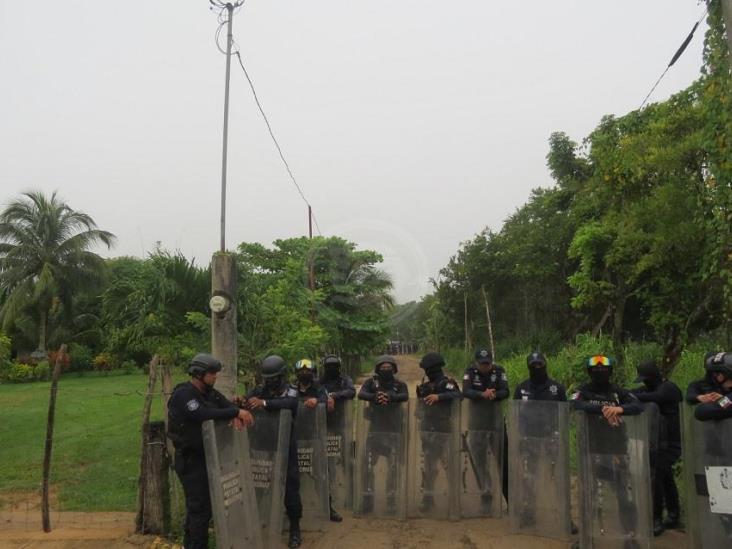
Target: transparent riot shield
<point x="614" y="482"/>
<point x="538" y="468"/>
<point x="708" y="480"/>
<point x="269" y="445"/>
<point x="433" y="480"/>
<point x="340" y="453"/>
<point x="312" y="460"/>
<point x="481" y="459"/>
<point x="230" y="484"/>
<point x="380" y="486"/>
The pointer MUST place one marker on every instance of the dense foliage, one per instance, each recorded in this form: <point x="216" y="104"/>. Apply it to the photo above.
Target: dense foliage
<point x="634" y="241"/>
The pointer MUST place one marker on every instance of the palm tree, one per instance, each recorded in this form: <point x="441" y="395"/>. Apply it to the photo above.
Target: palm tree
<point x="45" y="257"/>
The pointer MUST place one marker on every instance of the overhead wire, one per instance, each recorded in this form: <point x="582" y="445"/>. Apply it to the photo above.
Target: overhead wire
<point x="235" y="51"/>
<point x="676" y="56"/>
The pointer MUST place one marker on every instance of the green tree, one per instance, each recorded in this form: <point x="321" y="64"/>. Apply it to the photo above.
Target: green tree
<point x="45" y="258"/>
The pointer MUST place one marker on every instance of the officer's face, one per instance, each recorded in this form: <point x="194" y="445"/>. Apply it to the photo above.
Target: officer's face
<point x="209" y="378"/>
<point x="485" y="368"/>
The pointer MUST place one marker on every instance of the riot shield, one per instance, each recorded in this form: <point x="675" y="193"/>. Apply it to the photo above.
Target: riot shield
<point x="538" y="468"/>
<point x="380" y="487"/>
<point x="615" y="482"/>
<point x="310" y="432"/>
<point x="230" y="484"/>
<point x="269" y="445"/>
<point x="434" y="465"/>
<point x="708" y="480"/>
<point x="481" y="459"/>
<point x="340" y="453"/>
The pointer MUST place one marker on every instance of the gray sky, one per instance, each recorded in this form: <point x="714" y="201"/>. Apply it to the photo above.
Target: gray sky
<point x="410" y="125"/>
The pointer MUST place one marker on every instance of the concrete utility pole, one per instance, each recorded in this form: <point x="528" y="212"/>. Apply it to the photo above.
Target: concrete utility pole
<point x="223" y="264"/>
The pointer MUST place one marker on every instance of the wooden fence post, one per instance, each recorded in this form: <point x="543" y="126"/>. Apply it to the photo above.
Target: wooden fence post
<point x="142" y="480"/>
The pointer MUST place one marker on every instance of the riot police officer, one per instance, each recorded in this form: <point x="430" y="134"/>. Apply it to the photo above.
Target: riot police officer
<point x="719" y="367"/>
<point x="707" y="389"/>
<point x="486" y="380"/>
<point x="384" y="392"/>
<point x="191" y="404"/>
<point x="539" y="386"/>
<point x="339" y="391"/>
<point x="276" y="393"/>
<point x="667" y="396"/>
<point x="311" y="393"/>
<point x="602" y="398"/>
<point x="437" y="391"/>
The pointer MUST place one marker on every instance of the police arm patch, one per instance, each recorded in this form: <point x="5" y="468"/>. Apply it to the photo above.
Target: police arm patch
<point x="725" y="403"/>
<point x="575" y="396"/>
<point x="192" y="405"/>
<point x="291" y="392"/>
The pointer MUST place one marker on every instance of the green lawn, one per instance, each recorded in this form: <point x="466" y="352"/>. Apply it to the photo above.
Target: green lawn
<point x="96" y="440"/>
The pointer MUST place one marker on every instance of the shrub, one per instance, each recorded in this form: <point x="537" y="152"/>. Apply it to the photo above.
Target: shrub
<point x="129" y="367"/>
<point x="24" y="373"/>
<point x="42" y="371"/>
<point x="104" y="362"/>
<point x="82" y="358"/>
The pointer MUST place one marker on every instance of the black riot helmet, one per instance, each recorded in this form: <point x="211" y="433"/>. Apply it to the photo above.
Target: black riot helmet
<point x="385" y="359"/>
<point x="721" y="363"/>
<point x="272" y="366"/>
<point x="203" y="363"/>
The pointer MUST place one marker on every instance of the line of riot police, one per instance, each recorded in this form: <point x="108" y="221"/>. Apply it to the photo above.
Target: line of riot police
<point x="449" y="453"/>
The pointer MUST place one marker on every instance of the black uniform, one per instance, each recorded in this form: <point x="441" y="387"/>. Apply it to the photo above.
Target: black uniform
<point x="667" y="396"/>
<point x="282" y="397"/>
<point x="550" y="390"/>
<point x="341" y="390"/>
<point x="610" y="440"/>
<point x="702" y="387"/>
<point x="474" y="383"/>
<point x="187" y="409"/>
<point x="384" y="419"/>
<point x="721" y="409"/>
<point x="434" y="421"/>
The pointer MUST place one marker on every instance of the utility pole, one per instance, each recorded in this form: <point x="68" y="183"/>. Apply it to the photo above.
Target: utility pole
<point x="223" y="266"/>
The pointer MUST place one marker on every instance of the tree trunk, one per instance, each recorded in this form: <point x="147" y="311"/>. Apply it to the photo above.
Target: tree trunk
<point x="42" y="326"/>
<point x="618" y="318"/>
<point x="46" y="516"/>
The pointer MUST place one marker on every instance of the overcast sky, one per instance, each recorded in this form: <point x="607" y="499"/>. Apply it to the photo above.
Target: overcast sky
<point x="410" y="125"/>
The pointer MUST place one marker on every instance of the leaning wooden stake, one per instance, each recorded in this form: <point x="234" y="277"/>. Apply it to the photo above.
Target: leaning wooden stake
<point x="490" y="324"/>
<point x="49" y="439"/>
<point x="140" y="519"/>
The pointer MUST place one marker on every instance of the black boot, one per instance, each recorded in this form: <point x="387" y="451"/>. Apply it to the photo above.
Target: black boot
<point x="295" y="535"/>
<point x="672" y="521"/>
<point x="335" y="516"/>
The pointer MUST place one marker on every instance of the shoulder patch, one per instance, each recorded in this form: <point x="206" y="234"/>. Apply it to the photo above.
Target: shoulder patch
<point x="466" y="377"/>
<point x="450" y="385"/>
<point x="504" y="377"/>
<point x="575" y="396"/>
<point x="291" y="392"/>
<point x="193" y="405"/>
<point x="724" y="402"/>
<point x="553" y="389"/>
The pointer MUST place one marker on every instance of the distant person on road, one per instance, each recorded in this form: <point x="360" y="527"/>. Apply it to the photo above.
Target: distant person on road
<point x="189" y="406"/>
<point x="667" y="396"/>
